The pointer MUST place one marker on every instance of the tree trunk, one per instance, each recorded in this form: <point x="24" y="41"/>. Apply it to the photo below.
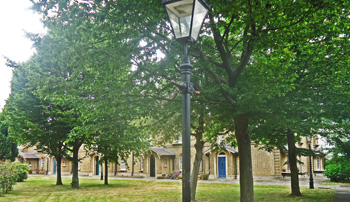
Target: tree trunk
<point x="293" y="164"/>
<point x="59" y="171"/>
<point x="245" y="159"/>
<point x="196" y="164"/>
<point x="106" y="170"/>
<point x="75" y="176"/>
<point x="116" y="166"/>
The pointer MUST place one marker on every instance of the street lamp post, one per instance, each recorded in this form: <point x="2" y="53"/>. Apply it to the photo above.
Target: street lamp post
<point x="311" y="179"/>
<point x="186" y="18"/>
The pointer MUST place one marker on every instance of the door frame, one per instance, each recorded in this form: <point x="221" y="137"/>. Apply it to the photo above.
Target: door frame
<point x="150" y="166"/>
<point x="97" y="165"/>
<point x="222" y="155"/>
<point x="54" y="166"/>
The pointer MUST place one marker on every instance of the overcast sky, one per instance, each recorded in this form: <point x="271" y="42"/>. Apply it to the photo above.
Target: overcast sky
<point x="16" y="18"/>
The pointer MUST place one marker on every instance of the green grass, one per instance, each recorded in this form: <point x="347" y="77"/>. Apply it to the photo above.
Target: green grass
<point x="44" y="189"/>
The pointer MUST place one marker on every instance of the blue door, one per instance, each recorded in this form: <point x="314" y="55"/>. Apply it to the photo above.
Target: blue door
<point x="97" y="164"/>
<point x="222" y="166"/>
<point x="54" y="166"/>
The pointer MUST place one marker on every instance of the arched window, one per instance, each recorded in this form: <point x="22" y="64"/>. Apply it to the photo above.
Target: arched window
<point x="42" y="162"/>
<point x="122" y="165"/>
<point x="141" y="164"/>
<point x="180" y="162"/>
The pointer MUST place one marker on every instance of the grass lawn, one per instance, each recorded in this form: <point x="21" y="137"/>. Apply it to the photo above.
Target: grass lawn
<point x="44" y="189"/>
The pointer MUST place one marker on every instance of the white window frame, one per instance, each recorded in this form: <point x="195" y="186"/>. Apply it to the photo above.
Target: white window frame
<point x="122" y="165"/>
<point x="42" y="163"/>
<point x="180" y="162"/>
<point x="141" y="164"/>
<point x="318" y="163"/>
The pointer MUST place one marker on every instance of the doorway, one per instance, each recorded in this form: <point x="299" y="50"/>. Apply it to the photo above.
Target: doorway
<point x="54" y="166"/>
<point x="222" y="165"/>
<point x="97" y="165"/>
<point x="152" y="169"/>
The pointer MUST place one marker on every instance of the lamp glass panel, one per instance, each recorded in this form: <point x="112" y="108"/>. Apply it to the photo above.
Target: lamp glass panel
<point x="185" y="25"/>
<point x="181" y="8"/>
<point x="180" y="14"/>
<point x="199" y="14"/>
<point x="174" y="20"/>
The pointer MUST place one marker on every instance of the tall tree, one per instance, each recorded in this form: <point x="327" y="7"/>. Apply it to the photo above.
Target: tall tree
<point x="8" y="147"/>
<point x="35" y="121"/>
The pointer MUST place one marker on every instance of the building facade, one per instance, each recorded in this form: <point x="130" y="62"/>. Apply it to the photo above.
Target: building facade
<point x="161" y="161"/>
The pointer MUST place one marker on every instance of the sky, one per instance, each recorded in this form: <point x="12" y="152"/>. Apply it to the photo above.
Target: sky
<point x="16" y="18"/>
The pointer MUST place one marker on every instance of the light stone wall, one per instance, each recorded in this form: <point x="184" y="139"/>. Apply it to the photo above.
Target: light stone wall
<point x="264" y="163"/>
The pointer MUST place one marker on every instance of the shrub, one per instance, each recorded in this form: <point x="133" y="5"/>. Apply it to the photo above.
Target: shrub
<point x="338" y="172"/>
<point x="205" y="176"/>
<point x="10" y="173"/>
<point x="21" y="172"/>
<point x="7" y="176"/>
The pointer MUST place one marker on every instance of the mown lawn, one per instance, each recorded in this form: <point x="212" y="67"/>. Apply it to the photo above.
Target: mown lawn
<point x="44" y="189"/>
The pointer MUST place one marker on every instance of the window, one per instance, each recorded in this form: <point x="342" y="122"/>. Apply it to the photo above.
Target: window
<point x="180" y="162"/>
<point x="122" y="165"/>
<point x="288" y="166"/>
<point x="42" y="162"/>
<point x="64" y="163"/>
<point x="141" y="164"/>
<point x="179" y="140"/>
<point x="221" y="139"/>
<point x="318" y="163"/>
<point x="78" y="164"/>
<point x="165" y="163"/>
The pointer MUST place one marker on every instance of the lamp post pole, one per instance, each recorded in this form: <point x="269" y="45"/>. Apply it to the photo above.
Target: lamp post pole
<point x="186" y="18"/>
<point x="311" y="180"/>
<point x="186" y="89"/>
<point x="186" y="68"/>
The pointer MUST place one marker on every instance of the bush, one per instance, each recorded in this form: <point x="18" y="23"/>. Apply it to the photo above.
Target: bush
<point x="338" y="172"/>
<point x="205" y="176"/>
<point x="21" y="172"/>
<point x="7" y="176"/>
<point x="10" y="173"/>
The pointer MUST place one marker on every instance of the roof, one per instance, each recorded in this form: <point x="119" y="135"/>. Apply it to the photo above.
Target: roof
<point x="161" y="151"/>
<point x="224" y="146"/>
<point x="230" y="149"/>
<point x="319" y="153"/>
<point x="29" y="155"/>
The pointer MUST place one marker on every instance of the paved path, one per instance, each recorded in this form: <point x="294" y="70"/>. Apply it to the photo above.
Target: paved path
<point x="342" y="194"/>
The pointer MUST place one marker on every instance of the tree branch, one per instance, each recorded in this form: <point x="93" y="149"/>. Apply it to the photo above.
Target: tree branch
<point x="293" y="23"/>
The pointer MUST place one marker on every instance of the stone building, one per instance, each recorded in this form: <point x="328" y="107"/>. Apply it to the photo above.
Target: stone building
<point x="218" y="162"/>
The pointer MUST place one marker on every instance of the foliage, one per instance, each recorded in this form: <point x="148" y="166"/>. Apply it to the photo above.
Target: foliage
<point x="338" y="166"/>
<point x="7" y="176"/>
<point x="8" y="147"/>
<point x="10" y="173"/>
<point x="21" y="171"/>
<point x="244" y="60"/>
<point x="339" y="172"/>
